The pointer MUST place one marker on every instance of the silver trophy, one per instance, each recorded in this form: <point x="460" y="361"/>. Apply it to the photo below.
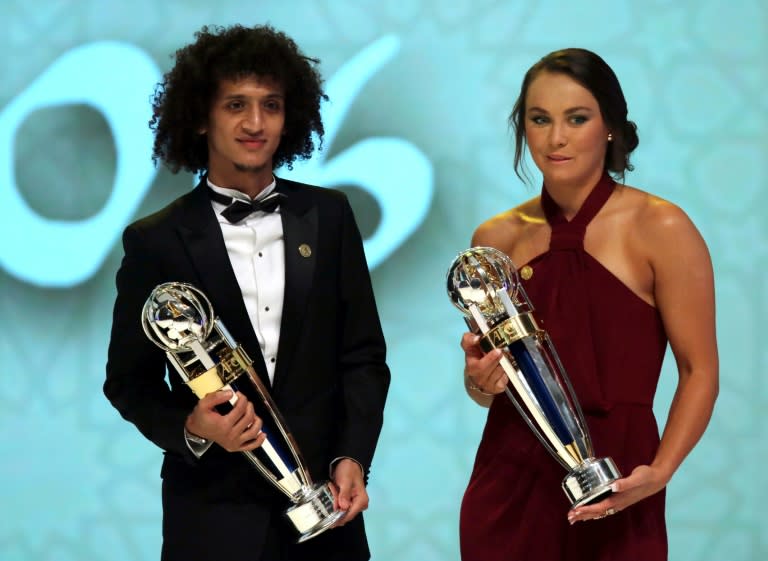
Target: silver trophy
<point x="484" y="284"/>
<point x="179" y="319"/>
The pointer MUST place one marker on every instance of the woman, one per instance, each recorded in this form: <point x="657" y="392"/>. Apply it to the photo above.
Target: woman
<point x="614" y="273"/>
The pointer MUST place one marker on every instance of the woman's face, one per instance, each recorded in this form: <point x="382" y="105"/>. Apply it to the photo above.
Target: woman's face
<point x="565" y="131"/>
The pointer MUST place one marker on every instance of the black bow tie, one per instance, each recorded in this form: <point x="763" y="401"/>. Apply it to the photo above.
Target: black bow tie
<point x="238" y="209"/>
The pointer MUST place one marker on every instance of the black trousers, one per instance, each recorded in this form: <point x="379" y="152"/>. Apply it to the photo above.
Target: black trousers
<point x="215" y="528"/>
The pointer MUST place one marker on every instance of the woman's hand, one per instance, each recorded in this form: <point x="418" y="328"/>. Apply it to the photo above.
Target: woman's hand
<point x="643" y="482"/>
<point x="482" y="371"/>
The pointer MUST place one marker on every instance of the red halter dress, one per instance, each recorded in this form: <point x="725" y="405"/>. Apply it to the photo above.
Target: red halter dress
<point x="612" y="345"/>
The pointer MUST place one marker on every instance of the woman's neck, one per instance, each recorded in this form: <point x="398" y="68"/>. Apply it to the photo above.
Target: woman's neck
<point x="570" y="195"/>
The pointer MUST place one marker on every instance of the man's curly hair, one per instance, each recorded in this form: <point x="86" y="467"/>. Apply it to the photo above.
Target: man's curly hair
<point x="182" y="101"/>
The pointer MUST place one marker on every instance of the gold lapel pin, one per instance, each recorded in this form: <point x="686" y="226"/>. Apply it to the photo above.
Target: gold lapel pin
<point x="526" y="272"/>
<point x="305" y="250"/>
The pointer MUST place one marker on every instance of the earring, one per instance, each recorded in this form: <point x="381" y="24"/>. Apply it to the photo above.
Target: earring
<point x="610" y="137"/>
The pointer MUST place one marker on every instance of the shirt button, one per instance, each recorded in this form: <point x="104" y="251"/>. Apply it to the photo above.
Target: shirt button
<point x="266" y="309"/>
<point x="272" y="360"/>
<point x="260" y="255"/>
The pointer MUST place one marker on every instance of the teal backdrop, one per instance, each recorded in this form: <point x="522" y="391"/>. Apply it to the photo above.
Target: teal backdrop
<point x="420" y="92"/>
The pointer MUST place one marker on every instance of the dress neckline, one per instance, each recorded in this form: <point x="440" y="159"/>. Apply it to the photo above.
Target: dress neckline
<point x="590" y="207"/>
<point x="569" y="234"/>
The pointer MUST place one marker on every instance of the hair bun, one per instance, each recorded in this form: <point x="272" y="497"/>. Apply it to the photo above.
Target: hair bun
<point x="631" y="139"/>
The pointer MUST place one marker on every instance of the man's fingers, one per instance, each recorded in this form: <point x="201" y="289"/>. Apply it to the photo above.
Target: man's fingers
<point x="343" y="497"/>
<point x="253" y="443"/>
<point x="253" y="429"/>
<point x="246" y="419"/>
<point x="240" y="408"/>
<point x="216" y="398"/>
<point x="358" y="502"/>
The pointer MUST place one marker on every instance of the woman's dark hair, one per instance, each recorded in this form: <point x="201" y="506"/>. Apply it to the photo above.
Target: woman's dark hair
<point x="182" y="101"/>
<point x="592" y="72"/>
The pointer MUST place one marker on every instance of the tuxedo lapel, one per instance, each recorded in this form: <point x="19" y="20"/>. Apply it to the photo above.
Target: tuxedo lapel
<point x="201" y="235"/>
<point x="300" y="231"/>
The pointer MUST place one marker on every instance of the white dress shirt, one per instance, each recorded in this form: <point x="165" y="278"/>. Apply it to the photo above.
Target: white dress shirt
<point x="256" y="250"/>
<point x="255" y="247"/>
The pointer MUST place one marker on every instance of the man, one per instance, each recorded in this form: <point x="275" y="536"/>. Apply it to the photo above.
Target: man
<point x="290" y="283"/>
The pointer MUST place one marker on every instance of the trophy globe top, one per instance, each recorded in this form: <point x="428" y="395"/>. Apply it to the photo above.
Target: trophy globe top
<point x="175" y="315"/>
<point x="475" y="277"/>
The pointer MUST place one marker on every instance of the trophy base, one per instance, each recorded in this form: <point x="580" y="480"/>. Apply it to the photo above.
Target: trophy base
<point x="313" y="512"/>
<point x="590" y="481"/>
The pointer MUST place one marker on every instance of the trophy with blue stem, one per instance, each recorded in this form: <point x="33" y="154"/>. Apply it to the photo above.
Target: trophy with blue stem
<point x="484" y="285"/>
<point x="179" y="319"/>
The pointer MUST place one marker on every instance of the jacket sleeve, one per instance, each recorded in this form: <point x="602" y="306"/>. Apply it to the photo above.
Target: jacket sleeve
<point x="364" y="374"/>
<point x="136" y="368"/>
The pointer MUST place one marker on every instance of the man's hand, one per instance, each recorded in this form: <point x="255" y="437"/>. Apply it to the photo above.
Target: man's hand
<point x="237" y="431"/>
<point x="351" y="494"/>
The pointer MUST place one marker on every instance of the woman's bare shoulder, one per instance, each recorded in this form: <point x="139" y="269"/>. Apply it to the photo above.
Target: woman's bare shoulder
<point x="653" y="213"/>
<point x="656" y="221"/>
<point x="501" y="230"/>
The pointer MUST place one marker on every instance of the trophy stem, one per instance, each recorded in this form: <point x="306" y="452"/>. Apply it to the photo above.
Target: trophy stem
<point x="272" y="454"/>
<point x="542" y="426"/>
<point x="289" y="484"/>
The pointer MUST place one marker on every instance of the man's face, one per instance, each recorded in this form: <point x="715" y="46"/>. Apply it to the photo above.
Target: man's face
<point x="245" y="125"/>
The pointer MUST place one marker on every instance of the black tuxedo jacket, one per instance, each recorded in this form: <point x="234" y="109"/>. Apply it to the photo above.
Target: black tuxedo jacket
<point x="330" y="380"/>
